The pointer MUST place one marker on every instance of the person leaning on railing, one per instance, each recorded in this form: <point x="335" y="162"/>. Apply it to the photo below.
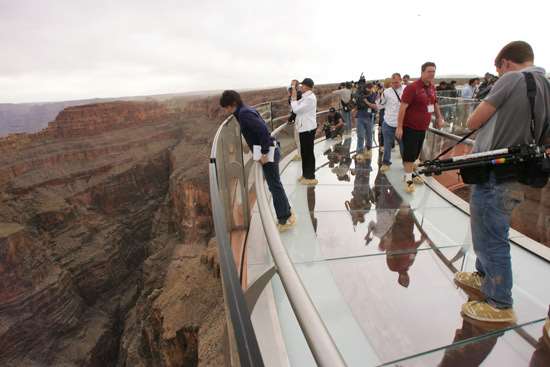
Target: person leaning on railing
<point x="255" y="132"/>
<point x="504" y="119"/>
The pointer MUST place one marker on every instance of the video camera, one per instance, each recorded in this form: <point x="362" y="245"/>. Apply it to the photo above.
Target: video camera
<point x="362" y="80"/>
<point x="486" y="86"/>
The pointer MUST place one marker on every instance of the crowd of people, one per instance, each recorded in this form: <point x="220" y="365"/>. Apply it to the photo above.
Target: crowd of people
<point x="404" y="110"/>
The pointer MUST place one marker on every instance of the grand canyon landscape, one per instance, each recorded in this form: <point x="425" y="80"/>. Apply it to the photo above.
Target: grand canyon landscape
<point x="107" y="250"/>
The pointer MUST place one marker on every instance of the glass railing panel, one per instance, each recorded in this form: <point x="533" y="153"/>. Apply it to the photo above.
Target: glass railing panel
<point x="231" y="175"/>
<point x="435" y="144"/>
<point x="287" y="137"/>
<point x="241" y="347"/>
<point x="479" y="344"/>
<point x="456" y="111"/>
<point x="453" y="93"/>
<point x="264" y="109"/>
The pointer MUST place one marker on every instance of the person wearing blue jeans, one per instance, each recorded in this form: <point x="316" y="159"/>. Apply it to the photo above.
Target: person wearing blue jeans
<point x="346" y="115"/>
<point x="388" y="132"/>
<point x="391" y="100"/>
<point x="255" y="132"/>
<point x="491" y="206"/>
<point x="364" y="131"/>
<point x="522" y="93"/>
<point x="273" y="179"/>
<point x="366" y="107"/>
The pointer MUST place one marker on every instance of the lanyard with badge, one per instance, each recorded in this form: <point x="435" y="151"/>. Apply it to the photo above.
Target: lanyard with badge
<point x="430" y="106"/>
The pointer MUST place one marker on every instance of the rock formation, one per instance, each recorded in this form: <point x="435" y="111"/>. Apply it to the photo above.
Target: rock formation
<point x="106" y="257"/>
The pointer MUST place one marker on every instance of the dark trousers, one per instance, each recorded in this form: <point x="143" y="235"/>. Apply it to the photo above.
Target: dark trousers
<point x="273" y="179"/>
<point x="380" y="123"/>
<point x="308" y="158"/>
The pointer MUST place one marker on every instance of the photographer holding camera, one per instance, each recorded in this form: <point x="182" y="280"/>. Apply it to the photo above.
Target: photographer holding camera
<point x="366" y="111"/>
<point x="344" y="92"/>
<point x="306" y="123"/>
<point x="516" y="111"/>
<point x="292" y="117"/>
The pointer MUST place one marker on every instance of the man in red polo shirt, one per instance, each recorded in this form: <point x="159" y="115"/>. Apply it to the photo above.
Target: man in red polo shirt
<point x="415" y="113"/>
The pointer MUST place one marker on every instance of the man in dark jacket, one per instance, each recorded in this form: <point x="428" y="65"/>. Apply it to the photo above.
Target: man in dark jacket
<point x="255" y="132"/>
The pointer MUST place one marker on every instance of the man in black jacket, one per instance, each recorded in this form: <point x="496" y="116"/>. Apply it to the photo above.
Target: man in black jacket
<point x="255" y="132"/>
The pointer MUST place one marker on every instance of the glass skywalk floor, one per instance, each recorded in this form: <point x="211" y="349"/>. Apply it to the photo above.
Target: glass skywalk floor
<point x="378" y="264"/>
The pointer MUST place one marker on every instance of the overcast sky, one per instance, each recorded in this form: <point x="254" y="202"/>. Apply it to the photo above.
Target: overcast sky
<point x="73" y="49"/>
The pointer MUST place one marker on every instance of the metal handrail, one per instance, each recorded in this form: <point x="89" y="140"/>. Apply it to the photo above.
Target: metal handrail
<point x="451" y="136"/>
<point x="321" y="344"/>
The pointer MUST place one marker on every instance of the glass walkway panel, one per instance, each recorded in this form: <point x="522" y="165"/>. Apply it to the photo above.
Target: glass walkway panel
<point x="377" y="264"/>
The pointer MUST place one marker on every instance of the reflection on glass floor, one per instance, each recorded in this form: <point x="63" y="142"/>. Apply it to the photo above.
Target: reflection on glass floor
<point x="378" y="264"/>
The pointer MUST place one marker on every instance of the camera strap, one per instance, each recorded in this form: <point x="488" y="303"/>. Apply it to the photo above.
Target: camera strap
<point x="531" y="95"/>
<point x="397" y="95"/>
<point x="454" y="145"/>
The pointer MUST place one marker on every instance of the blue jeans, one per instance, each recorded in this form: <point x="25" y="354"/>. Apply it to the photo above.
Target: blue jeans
<point x="364" y="129"/>
<point x="347" y="119"/>
<point x="273" y="178"/>
<point x="388" y="133"/>
<point x="491" y="206"/>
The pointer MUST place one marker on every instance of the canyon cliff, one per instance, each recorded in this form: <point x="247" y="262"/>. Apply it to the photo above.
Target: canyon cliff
<point x="107" y="256"/>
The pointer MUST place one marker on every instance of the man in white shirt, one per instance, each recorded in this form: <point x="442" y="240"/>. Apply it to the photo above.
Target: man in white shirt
<point x="469" y="89"/>
<point x="391" y="100"/>
<point x="344" y="92"/>
<point x="306" y="123"/>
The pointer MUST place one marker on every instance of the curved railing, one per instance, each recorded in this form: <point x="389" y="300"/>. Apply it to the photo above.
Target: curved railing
<point x="232" y="195"/>
<point x="242" y="348"/>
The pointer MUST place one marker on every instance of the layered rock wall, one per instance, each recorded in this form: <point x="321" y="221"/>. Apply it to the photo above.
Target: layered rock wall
<point x="105" y="228"/>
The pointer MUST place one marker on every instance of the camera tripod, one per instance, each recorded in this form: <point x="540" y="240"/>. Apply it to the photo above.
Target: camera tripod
<point x="512" y="155"/>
